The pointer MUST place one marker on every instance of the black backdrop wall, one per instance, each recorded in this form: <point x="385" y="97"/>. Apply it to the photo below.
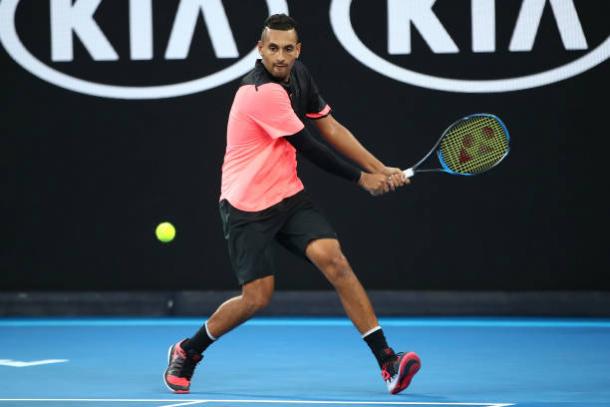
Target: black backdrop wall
<point x="88" y="176"/>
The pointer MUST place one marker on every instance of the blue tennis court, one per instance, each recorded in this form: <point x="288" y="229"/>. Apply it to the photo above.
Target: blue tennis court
<point x="307" y="361"/>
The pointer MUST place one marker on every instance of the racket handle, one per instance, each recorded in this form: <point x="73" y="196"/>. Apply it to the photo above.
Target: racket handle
<point x="409" y="173"/>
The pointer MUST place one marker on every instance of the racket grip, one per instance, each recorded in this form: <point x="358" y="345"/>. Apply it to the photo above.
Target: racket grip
<point x="409" y="173"/>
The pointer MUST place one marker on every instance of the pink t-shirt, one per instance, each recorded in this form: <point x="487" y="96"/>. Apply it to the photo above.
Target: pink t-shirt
<point x="260" y="166"/>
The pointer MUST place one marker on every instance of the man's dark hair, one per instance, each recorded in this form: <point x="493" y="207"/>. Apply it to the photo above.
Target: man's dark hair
<point x="280" y="22"/>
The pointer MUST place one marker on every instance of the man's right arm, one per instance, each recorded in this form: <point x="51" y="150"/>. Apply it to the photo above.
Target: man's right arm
<point x="322" y="156"/>
<point x="271" y="109"/>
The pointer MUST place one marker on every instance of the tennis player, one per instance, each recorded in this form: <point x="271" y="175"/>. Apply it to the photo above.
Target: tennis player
<point x="262" y="199"/>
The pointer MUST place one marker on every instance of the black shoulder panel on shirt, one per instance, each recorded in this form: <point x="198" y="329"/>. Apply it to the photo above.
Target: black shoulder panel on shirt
<point x="299" y="88"/>
<point x="258" y="76"/>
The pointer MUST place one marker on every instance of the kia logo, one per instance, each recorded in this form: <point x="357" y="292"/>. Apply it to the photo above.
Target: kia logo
<point x="75" y="18"/>
<point x="404" y="16"/>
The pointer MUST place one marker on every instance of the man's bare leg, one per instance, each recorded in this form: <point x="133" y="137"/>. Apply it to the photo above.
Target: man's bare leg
<point x="397" y="370"/>
<point x="185" y="355"/>
<point x="255" y="296"/>
<point x="327" y="256"/>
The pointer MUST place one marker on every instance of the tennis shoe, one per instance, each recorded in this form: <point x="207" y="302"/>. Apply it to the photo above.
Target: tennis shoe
<point x="399" y="371"/>
<point x="180" y="369"/>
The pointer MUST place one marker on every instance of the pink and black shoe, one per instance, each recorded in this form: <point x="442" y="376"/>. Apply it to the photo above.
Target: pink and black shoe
<point x="399" y="371"/>
<point x="180" y="369"/>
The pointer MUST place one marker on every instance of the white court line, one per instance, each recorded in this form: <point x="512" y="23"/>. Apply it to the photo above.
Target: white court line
<point x="18" y="363"/>
<point x="377" y="403"/>
<point x="182" y="402"/>
<point x="185" y="404"/>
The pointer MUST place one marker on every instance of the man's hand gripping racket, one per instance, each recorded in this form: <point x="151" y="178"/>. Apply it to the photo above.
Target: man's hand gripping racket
<point x="470" y="146"/>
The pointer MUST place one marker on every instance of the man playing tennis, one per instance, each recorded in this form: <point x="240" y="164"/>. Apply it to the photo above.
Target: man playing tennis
<point x="262" y="199"/>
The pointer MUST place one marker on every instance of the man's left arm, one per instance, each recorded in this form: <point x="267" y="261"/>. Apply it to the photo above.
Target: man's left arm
<point x="342" y="140"/>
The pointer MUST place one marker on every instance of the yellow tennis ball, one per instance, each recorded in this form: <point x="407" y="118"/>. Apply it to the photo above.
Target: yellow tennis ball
<point x="165" y="232"/>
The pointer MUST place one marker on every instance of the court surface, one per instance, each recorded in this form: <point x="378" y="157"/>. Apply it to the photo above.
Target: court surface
<point x="306" y="362"/>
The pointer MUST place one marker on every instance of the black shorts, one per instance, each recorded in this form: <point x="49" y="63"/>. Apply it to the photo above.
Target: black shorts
<point x="293" y="223"/>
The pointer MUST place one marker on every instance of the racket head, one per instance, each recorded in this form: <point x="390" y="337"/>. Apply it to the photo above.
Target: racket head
<point x="473" y="145"/>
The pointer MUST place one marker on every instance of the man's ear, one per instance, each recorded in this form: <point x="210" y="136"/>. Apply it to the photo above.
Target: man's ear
<point x="298" y="48"/>
<point x="259" y="45"/>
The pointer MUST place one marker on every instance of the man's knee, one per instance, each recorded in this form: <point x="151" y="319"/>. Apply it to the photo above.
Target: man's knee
<point x="257" y="294"/>
<point x="328" y="257"/>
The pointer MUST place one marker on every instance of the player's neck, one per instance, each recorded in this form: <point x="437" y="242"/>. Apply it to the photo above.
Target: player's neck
<point x="284" y="81"/>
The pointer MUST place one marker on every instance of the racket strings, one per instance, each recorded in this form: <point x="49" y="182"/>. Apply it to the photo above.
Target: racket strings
<point x="474" y="145"/>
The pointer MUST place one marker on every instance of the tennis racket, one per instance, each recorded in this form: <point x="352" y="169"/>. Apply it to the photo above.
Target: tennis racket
<point x="470" y="146"/>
